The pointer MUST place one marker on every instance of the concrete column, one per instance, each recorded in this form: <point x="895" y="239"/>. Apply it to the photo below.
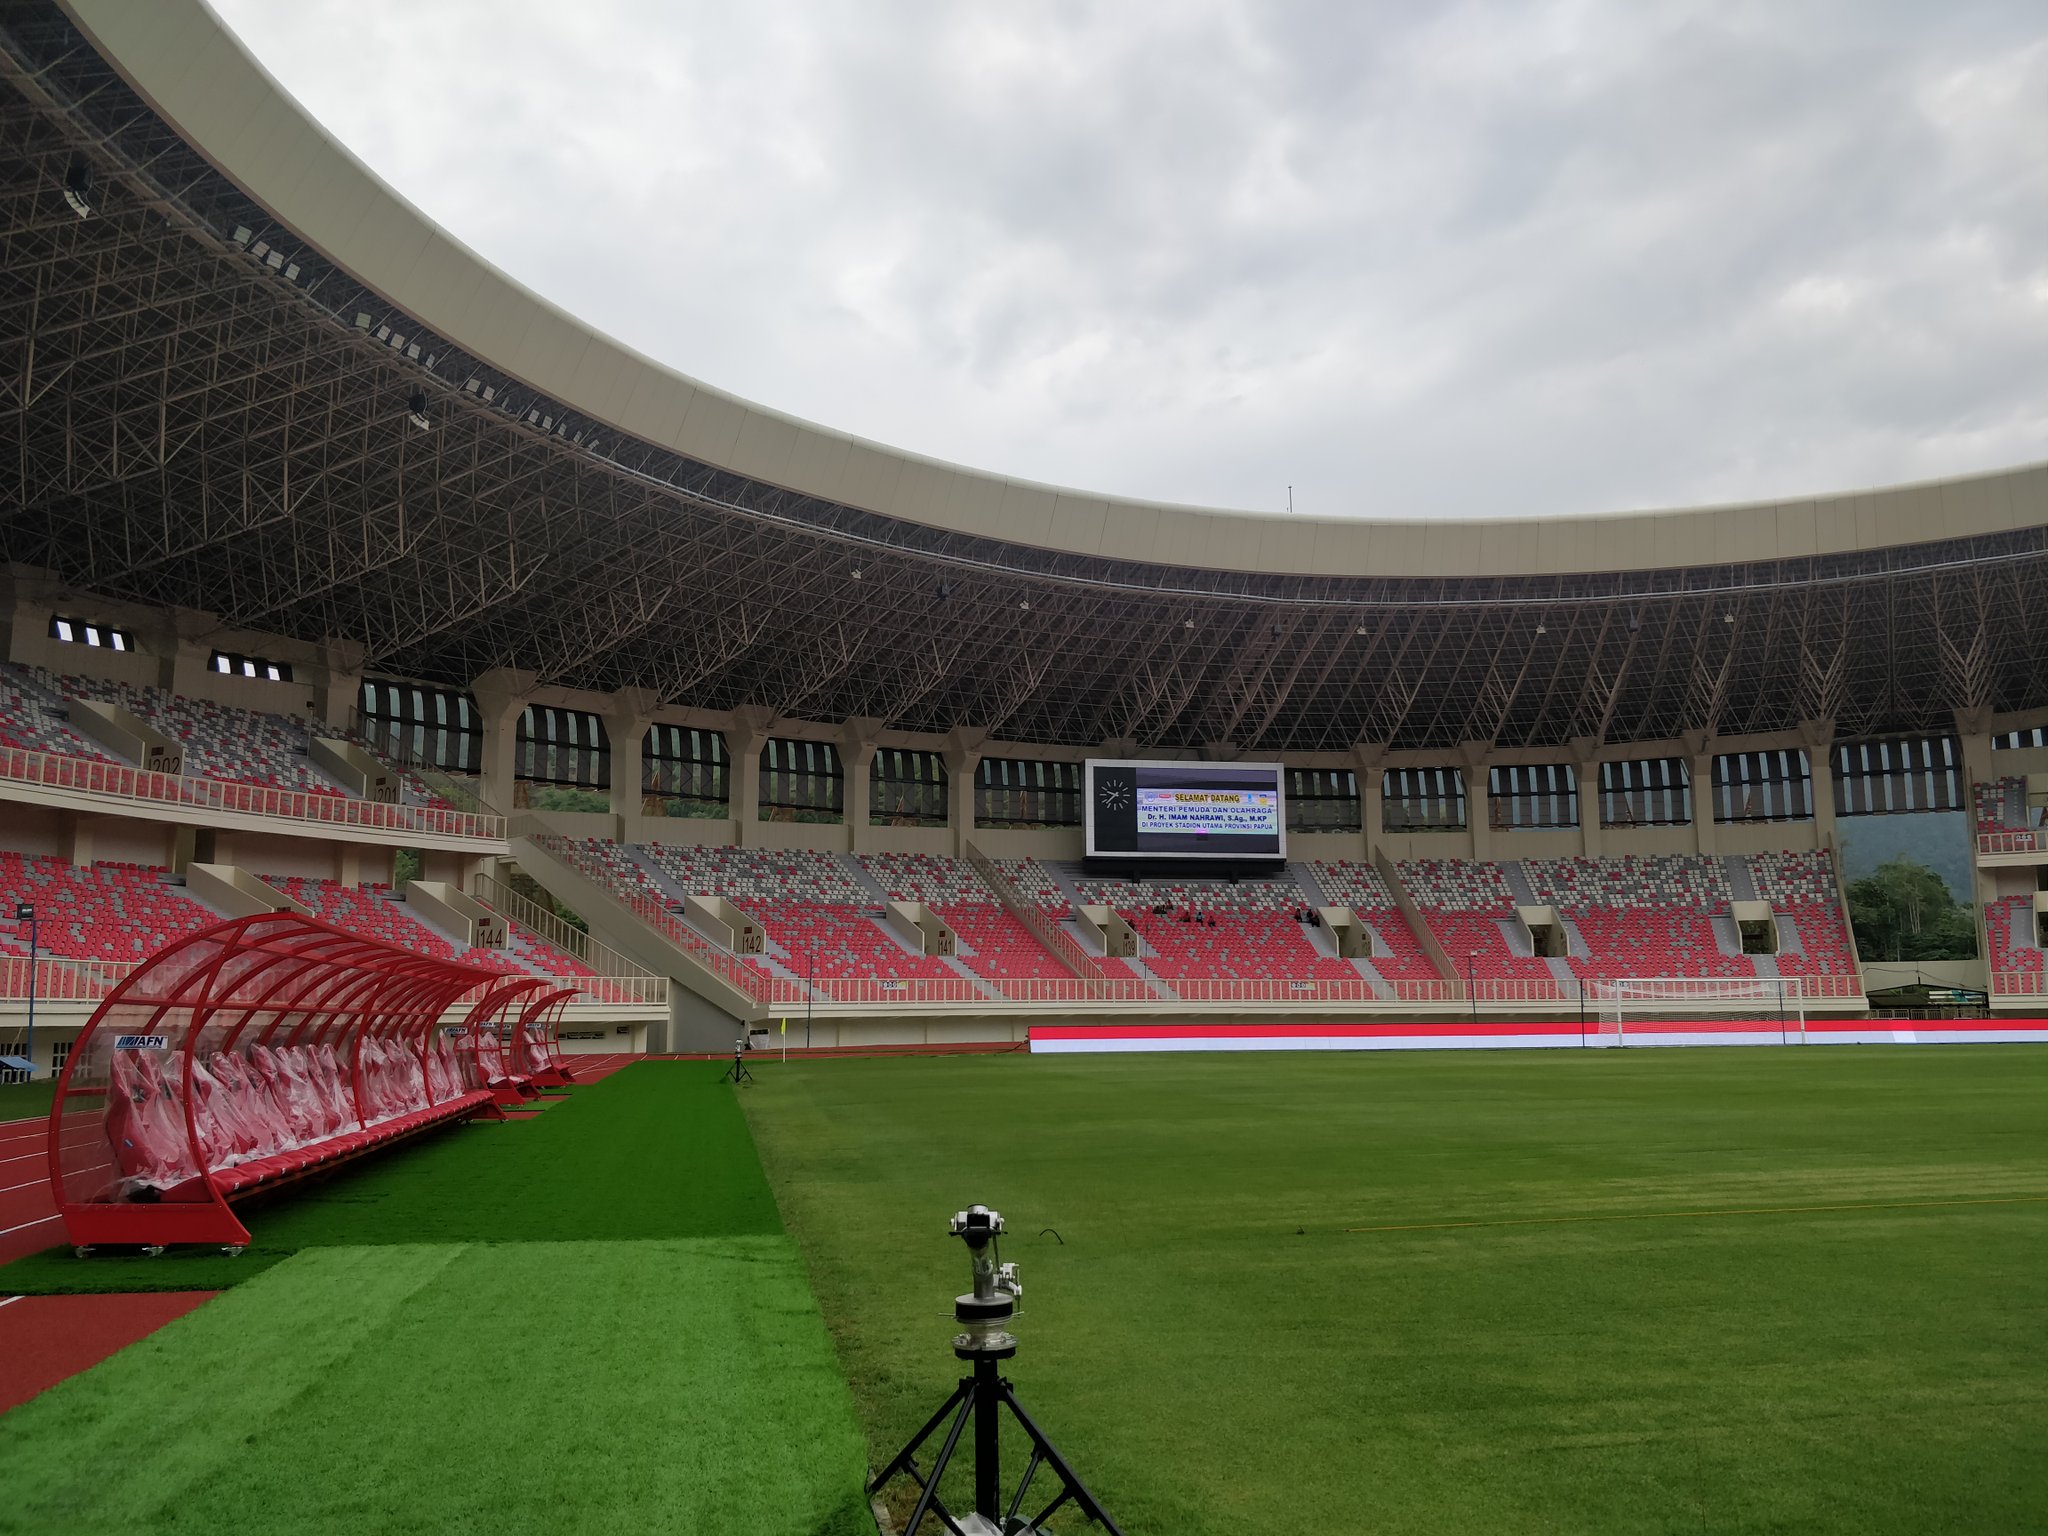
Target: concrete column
<point x="185" y="662"/>
<point x="342" y="690"/>
<point x="1586" y="765"/>
<point x="1475" y="758"/>
<point x="1818" y="738"/>
<point x="24" y="593"/>
<point x="744" y="739"/>
<point x="627" y="714"/>
<point x="1973" y="735"/>
<point x="856" y="756"/>
<point x="1699" y="755"/>
<point x="74" y="837"/>
<point x="1369" y="761"/>
<point x="354" y="863"/>
<point x="501" y="697"/>
<point x="963" y="769"/>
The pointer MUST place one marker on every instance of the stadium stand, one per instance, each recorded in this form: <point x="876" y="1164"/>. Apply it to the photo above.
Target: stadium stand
<point x="758" y="874"/>
<point x="2011" y="943"/>
<point x="819" y="918"/>
<point x="993" y="944"/>
<point x="1214" y="930"/>
<point x="239" y="746"/>
<point x="32" y="718"/>
<point x="107" y="911"/>
<point x="1470" y="909"/>
<point x="1627" y="916"/>
<point x="373" y="911"/>
<point x="379" y="912"/>
<point x="1038" y="884"/>
<point x="1801" y="886"/>
<point x="1649" y="916"/>
<point x="2002" y="806"/>
<point x="1359" y="887"/>
<point x="1671" y="880"/>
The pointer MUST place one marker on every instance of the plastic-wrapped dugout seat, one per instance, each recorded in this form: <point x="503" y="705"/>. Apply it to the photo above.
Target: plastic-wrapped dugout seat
<point x="242" y="1058"/>
<point x="481" y="1035"/>
<point x="535" y="1043"/>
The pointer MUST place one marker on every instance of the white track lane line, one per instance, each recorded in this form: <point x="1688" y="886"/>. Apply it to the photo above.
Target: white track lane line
<point x="24" y="1226"/>
<point x="9" y="1301"/>
<point x="31" y="1184"/>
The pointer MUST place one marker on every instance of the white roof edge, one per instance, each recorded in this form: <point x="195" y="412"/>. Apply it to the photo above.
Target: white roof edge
<point x="186" y="63"/>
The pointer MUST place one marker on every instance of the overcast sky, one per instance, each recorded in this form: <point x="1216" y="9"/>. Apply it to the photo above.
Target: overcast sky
<point x="1445" y="260"/>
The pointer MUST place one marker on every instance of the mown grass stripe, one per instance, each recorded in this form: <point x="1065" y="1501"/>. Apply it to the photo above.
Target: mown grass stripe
<point x="1761" y="1210"/>
<point x="661" y="1385"/>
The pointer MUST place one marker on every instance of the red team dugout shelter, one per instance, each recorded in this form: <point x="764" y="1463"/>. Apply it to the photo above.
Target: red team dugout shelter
<point x="266" y="1049"/>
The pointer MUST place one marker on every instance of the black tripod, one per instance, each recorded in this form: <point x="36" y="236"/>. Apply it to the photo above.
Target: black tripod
<point x="737" y="1073"/>
<point x="982" y="1397"/>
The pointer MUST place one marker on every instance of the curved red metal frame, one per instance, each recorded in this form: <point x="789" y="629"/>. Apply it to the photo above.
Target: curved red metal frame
<point x="536" y="1041"/>
<point x="484" y="1025"/>
<point x="274" y="979"/>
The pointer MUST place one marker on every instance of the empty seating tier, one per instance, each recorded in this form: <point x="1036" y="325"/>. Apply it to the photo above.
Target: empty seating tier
<point x="369" y="910"/>
<point x="239" y="746"/>
<point x="1658" y="883"/>
<point x="759" y="874"/>
<point x="924" y="877"/>
<point x="2002" y="806"/>
<point x="2009" y="928"/>
<point x="1399" y="955"/>
<point x="32" y="718"/>
<point x="120" y="912"/>
<point x="1037" y="884"/>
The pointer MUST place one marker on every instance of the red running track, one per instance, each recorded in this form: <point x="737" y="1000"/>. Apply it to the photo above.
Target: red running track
<point x="45" y="1339"/>
<point x="28" y="1217"/>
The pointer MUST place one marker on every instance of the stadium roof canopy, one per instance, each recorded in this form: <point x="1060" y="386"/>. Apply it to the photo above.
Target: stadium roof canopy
<point x="210" y="385"/>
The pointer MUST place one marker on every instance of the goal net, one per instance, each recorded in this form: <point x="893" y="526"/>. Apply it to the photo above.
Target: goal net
<point x="1656" y="1008"/>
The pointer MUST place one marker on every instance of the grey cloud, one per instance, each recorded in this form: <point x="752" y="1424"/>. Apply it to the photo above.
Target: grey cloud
<point x="1417" y="261"/>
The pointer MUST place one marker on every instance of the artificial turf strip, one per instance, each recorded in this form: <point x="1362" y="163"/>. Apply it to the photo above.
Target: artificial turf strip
<point x="659" y="1150"/>
<point x="656" y="1386"/>
<point x="22" y="1101"/>
<point x="1217" y="1354"/>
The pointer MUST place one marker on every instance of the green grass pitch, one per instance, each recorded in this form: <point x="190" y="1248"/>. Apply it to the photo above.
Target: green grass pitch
<point x="1601" y="1295"/>
<point x="587" y="1322"/>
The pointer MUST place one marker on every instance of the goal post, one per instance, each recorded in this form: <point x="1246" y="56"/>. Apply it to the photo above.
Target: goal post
<point x="1650" y="1006"/>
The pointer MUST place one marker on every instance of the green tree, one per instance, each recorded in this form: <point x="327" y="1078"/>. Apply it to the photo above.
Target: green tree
<point x="566" y="797"/>
<point x="1902" y="910"/>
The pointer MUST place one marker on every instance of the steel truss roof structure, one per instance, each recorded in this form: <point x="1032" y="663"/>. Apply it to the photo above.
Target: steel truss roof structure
<point x="204" y="413"/>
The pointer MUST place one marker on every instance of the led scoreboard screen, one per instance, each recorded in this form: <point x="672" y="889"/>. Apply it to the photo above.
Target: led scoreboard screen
<point x="1186" y="810"/>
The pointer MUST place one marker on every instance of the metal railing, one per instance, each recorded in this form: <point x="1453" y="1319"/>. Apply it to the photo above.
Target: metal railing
<point x="385" y="740"/>
<point x="2034" y="841"/>
<point x="758" y="985"/>
<point x="636" y="991"/>
<point x="1064" y="946"/>
<point x="603" y="973"/>
<point x="119" y="782"/>
<point x="62" y="981"/>
<point x="1227" y="991"/>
